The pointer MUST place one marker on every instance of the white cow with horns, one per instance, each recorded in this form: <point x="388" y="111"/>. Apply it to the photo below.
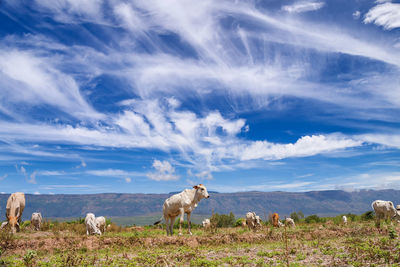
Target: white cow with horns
<point x="384" y="210"/>
<point x="181" y="203"/>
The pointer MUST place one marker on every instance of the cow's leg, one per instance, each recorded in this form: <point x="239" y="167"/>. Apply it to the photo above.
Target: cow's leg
<point x="181" y="220"/>
<point x="189" y="223"/>
<point x="167" y="220"/>
<point x="171" y="226"/>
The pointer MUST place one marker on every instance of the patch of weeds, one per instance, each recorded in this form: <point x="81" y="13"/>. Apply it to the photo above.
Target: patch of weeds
<point x="7" y="240"/>
<point x="204" y="262"/>
<point x="29" y="258"/>
<point x="300" y="256"/>
<point x="269" y="254"/>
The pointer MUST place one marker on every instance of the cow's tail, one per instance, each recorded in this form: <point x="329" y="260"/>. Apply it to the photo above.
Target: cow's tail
<point x="157" y="222"/>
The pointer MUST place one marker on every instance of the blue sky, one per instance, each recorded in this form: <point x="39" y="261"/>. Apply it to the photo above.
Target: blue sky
<point x="155" y="96"/>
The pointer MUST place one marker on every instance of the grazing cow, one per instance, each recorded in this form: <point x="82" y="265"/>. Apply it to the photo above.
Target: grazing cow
<point x="90" y="222"/>
<point x="252" y="220"/>
<point x="344" y="219"/>
<point x="206" y="223"/>
<point x="36" y="220"/>
<point x="384" y="210"/>
<point x="101" y="224"/>
<point x="290" y="222"/>
<point x="15" y="207"/>
<point x="275" y="220"/>
<point x="181" y="203"/>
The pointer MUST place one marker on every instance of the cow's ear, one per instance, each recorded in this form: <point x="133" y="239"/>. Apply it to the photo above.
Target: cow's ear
<point x="196" y="187"/>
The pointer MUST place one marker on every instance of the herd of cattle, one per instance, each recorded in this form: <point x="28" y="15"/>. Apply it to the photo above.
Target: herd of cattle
<point x="176" y="205"/>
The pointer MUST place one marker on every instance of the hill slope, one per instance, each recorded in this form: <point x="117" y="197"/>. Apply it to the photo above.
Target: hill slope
<point x="316" y="202"/>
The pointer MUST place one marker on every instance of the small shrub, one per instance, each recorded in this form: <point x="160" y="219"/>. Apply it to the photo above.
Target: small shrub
<point x="29" y="257"/>
<point x="239" y="222"/>
<point x="369" y="215"/>
<point x="392" y="233"/>
<point x="223" y="220"/>
<point x="312" y="219"/>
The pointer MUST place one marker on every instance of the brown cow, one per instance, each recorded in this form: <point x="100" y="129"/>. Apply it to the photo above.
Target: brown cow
<point x="15" y="207"/>
<point x="275" y="219"/>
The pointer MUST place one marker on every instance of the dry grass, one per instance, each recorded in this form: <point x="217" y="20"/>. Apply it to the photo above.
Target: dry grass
<point x="356" y="244"/>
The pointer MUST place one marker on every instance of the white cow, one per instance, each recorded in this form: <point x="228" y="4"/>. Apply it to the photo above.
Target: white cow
<point x="280" y="224"/>
<point x="36" y="220"/>
<point x="101" y="224"/>
<point x="384" y="210"/>
<point x="15" y="207"/>
<point x="90" y="222"/>
<point x="206" y="223"/>
<point x="252" y="220"/>
<point x="181" y="203"/>
<point x="290" y="222"/>
<point x="344" y="219"/>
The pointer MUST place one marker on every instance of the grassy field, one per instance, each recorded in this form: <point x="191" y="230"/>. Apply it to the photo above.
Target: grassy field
<point x="137" y="220"/>
<point x="314" y="244"/>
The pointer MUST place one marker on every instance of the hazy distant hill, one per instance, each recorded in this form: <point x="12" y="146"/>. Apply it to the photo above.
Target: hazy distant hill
<point x="315" y="202"/>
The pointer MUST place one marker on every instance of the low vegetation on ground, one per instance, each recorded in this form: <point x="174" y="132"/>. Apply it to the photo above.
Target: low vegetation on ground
<point x="314" y="241"/>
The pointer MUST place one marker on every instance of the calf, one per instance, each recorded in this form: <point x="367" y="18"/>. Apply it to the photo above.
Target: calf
<point x="36" y="220"/>
<point x="101" y="224"/>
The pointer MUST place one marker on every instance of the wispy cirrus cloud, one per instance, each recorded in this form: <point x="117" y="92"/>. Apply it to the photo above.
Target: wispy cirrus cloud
<point x="303" y="6"/>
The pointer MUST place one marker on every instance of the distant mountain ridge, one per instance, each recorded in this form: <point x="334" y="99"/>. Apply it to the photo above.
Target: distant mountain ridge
<point x="323" y="203"/>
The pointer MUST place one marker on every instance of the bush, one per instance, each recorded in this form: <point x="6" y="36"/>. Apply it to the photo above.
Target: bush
<point x="239" y="222"/>
<point x="313" y="219"/>
<point x="369" y="215"/>
<point x="223" y="220"/>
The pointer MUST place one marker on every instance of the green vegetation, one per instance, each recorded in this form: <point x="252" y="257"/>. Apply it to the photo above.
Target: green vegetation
<point x="315" y="241"/>
<point x="223" y="220"/>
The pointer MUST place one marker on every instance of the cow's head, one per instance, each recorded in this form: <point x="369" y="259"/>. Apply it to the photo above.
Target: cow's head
<point x="201" y="190"/>
<point x="13" y="223"/>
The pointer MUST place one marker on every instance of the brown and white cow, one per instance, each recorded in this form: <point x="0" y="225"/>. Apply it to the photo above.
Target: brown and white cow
<point x="181" y="203"/>
<point x="15" y="207"/>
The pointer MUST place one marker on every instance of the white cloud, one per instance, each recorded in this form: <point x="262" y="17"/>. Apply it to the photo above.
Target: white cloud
<point x="36" y="193"/>
<point x="164" y="171"/>
<point x="356" y="14"/>
<point x="128" y="180"/>
<point x="305" y="146"/>
<point x="50" y="173"/>
<point x="303" y="6"/>
<point x="386" y="15"/>
<point x="111" y="172"/>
